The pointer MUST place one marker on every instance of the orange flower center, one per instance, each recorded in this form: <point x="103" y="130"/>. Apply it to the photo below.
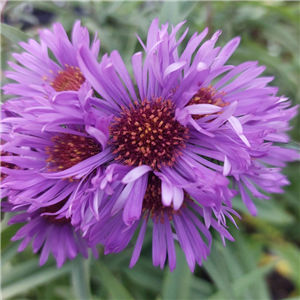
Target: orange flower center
<point x="70" y="79"/>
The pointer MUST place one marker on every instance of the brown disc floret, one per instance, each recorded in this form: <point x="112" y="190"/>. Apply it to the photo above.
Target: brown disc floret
<point x="147" y="133"/>
<point x="69" y="79"/>
<point x="68" y="150"/>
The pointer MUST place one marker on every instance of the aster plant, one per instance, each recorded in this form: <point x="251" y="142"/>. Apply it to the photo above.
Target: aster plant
<point x="108" y="156"/>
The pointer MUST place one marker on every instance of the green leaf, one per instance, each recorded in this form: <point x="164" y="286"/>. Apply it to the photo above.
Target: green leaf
<point x="13" y="34"/>
<point x="289" y="145"/>
<point x="217" y="270"/>
<point x="236" y="259"/>
<point x="175" y="11"/>
<point x="42" y="276"/>
<point x="267" y="210"/>
<point x="19" y="271"/>
<point x="200" y="288"/>
<point x="8" y="233"/>
<point x="111" y="283"/>
<point x="250" y="279"/>
<point x="10" y="252"/>
<point x="145" y="275"/>
<point x="177" y="284"/>
<point x="80" y="278"/>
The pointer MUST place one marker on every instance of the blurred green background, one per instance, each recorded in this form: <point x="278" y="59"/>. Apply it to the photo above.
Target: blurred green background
<point x="263" y="262"/>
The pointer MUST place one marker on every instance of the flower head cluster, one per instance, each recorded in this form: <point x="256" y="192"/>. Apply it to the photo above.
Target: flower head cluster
<point x="91" y="156"/>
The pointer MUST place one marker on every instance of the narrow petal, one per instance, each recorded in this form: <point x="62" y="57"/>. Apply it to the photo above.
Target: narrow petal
<point x="138" y="245"/>
<point x="136" y="173"/>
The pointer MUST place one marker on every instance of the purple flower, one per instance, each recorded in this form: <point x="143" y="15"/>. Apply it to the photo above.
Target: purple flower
<point x="51" y="168"/>
<point x="49" y="233"/>
<point x="181" y="138"/>
<point x="58" y="147"/>
<point x="161" y="150"/>
<point x="55" y="163"/>
<point x="42" y="77"/>
<point x="170" y="152"/>
<point x="54" y="140"/>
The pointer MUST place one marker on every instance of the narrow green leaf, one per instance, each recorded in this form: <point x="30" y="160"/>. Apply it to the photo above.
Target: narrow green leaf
<point x="289" y="145"/>
<point x="240" y="264"/>
<point x="19" y="271"/>
<point x="42" y="276"/>
<point x="64" y="292"/>
<point x="80" y="278"/>
<point x="200" y="288"/>
<point x="111" y="283"/>
<point x="255" y="276"/>
<point x="8" y="233"/>
<point x="9" y="252"/>
<point x="177" y="284"/>
<point x="144" y="275"/>
<point x="115" y="262"/>
<point x="267" y="211"/>
<point x="240" y="285"/>
<point x="217" y="270"/>
<point x="13" y="34"/>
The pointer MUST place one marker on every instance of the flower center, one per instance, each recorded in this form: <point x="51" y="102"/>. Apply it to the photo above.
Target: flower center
<point x="70" y="79"/>
<point x="69" y="150"/>
<point x="53" y="209"/>
<point x="207" y="95"/>
<point x="6" y="164"/>
<point x="148" y="134"/>
<point x="153" y="202"/>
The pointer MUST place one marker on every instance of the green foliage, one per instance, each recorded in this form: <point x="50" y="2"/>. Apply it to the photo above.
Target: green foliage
<point x="14" y="35"/>
<point x="265" y="244"/>
<point x="177" y="285"/>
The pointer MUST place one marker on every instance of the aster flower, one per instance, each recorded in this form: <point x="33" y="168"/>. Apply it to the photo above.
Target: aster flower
<point x="54" y="175"/>
<point x="61" y="148"/>
<point x="40" y="76"/>
<point x="181" y="138"/>
<point x="160" y="168"/>
<point x="54" y="138"/>
<point x="56" y="171"/>
<point x="49" y="233"/>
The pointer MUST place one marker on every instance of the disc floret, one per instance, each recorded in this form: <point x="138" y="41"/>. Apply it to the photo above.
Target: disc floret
<point x="147" y="133"/>
<point x="69" y="79"/>
<point x="68" y="150"/>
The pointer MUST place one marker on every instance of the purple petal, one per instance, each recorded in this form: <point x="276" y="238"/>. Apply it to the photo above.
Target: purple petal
<point x="136" y="173"/>
<point x="138" y="245"/>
